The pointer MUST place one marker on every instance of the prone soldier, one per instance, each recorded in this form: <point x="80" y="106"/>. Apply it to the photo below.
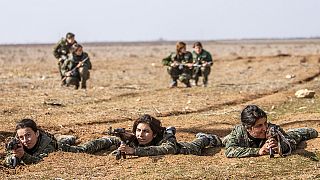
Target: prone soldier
<point x="256" y="137"/>
<point x="203" y="61"/>
<point x="151" y="139"/>
<point x="179" y="65"/>
<point x="62" y="49"/>
<point x="76" y="68"/>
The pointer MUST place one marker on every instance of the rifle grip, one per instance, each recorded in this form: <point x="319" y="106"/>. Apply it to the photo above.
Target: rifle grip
<point x="271" y="153"/>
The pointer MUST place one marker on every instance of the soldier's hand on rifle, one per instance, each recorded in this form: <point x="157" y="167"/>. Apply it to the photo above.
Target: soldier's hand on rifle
<point x="69" y="73"/>
<point x="79" y="64"/>
<point x="273" y="144"/>
<point x="127" y="149"/>
<point x="190" y="65"/>
<point x="19" y="152"/>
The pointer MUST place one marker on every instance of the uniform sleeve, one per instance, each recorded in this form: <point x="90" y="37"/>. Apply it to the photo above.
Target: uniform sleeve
<point x="287" y="142"/>
<point x="56" y="49"/>
<point x="168" y="147"/>
<point x="167" y="61"/>
<point x="29" y="159"/>
<point x="209" y="58"/>
<point x="233" y="148"/>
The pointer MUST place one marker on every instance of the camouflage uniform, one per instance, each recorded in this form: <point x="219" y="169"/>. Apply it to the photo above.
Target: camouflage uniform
<point x="181" y="72"/>
<point x="199" y="59"/>
<point x="167" y="145"/>
<point x="61" y="51"/>
<point x="81" y="74"/>
<point x="45" y="145"/>
<point x="240" y="144"/>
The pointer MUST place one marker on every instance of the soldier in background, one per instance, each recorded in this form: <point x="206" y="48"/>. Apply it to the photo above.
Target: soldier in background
<point x="250" y="138"/>
<point x="62" y="49"/>
<point x="179" y="65"/>
<point x="152" y="140"/>
<point x="76" y="68"/>
<point x="203" y="62"/>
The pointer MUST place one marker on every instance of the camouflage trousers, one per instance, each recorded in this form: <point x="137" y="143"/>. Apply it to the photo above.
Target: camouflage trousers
<point x="91" y="146"/>
<point x="82" y="76"/>
<point x="302" y="134"/>
<point x="201" y="71"/>
<point x="184" y="74"/>
<point x="195" y="147"/>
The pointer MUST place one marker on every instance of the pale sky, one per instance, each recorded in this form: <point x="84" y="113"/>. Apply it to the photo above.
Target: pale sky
<point x="46" y="21"/>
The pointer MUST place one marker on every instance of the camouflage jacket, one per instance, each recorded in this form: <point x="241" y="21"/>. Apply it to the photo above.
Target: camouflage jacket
<point x="185" y="58"/>
<point x="239" y="144"/>
<point x="168" y="145"/>
<point x="62" y="48"/>
<point x="203" y="56"/>
<point x="44" y="146"/>
<point x="74" y="60"/>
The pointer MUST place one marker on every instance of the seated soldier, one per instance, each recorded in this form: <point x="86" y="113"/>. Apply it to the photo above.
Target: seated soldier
<point x="203" y="61"/>
<point x="31" y="144"/>
<point x="179" y="65"/>
<point x="151" y="139"/>
<point x="76" y="68"/>
<point x="251" y="137"/>
<point x="62" y="49"/>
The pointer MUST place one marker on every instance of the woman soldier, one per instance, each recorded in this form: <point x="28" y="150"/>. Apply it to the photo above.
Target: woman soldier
<point x="256" y="137"/>
<point x="179" y="65"/>
<point x="202" y="63"/>
<point x="151" y="139"/>
<point x="31" y="144"/>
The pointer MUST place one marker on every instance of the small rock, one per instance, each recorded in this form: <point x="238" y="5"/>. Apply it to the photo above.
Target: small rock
<point x="189" y="101"/>
<point x="153" y="64"/>
<point x="290" y="76"/>
<point x="305" y="93"/>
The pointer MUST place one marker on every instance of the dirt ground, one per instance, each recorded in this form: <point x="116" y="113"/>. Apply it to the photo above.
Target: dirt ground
<point x="128" y="80"/>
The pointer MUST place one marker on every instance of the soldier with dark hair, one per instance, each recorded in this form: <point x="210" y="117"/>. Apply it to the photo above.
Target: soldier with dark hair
<point x="62" y="49"/>
<point x="33" y="144"/>
<point x="152" y="140"/>
<point x="179" y="65"/>
<point x="76" y="68"/>
<point x="251" y="137"/>
<point x="203" y="61"/>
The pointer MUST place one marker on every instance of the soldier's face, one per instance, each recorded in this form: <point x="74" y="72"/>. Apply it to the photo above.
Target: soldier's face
<point x="70" y="40"/>
<point x="258" y="130"/>
<point x="78" y="51"/>
<point x="198" y="49"/>
<point x="183" y="50"/>
<point x="28" y="137"/>
<point x="144" y="133"/>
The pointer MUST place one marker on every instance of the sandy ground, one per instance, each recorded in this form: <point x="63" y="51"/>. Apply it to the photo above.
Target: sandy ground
<point x="128" y="80"/>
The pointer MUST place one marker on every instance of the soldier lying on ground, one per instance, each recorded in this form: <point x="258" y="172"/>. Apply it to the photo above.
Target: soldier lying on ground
<point x="251" y="137"/>
<point x="152" y="140"/>
<point x="76" y="68"/>
<point x="62" y="49"/>
<point x="203" y="61"/>
<point x="31" y="144"/>
<point x="179" y="65"/>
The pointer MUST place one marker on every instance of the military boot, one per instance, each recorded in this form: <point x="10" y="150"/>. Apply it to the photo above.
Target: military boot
<point x="174" y="84"/>
<point x="214" y="140"/>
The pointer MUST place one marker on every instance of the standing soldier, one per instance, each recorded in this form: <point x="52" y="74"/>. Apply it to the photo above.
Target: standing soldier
<point x="179" y="65"/>
<point x="203" y="62"/>
<point x="76" y="68"/>
<point x="62" y="49"/>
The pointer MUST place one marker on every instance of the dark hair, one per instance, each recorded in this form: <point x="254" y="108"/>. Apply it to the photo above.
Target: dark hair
<point x="154" y="124"/>
<point x="251" y="114"/>
<point x="27" y="123"/>
<point x="197" y="44"/>
<point x="75" y="47"/>
<point x="70" y="35"/>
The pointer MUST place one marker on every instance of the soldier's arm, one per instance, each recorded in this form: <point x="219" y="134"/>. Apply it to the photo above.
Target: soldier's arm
<point x="56" y="49"/>
<point x="64" y="67"/>
<point x="288" y="144"/>
<point x="167" y="61"/>
<point x="209" y="58"/>
<point x="168" y="147"/>
<point x="233" y="148"/>
<point x="88" y="62"/>
<point x="30" y="159"/>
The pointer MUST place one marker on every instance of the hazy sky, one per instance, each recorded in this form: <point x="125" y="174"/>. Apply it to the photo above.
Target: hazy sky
<point x="46" y="21"/>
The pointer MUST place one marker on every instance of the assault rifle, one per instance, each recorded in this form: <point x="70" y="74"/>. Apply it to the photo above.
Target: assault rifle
<point x="13" y="144"/>
<point x="74" y="70"/>
<point x="273" y="132"/>
<point x="126" y="138"/>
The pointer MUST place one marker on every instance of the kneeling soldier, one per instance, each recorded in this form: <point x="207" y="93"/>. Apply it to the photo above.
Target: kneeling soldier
<point x="76" y="68"/>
